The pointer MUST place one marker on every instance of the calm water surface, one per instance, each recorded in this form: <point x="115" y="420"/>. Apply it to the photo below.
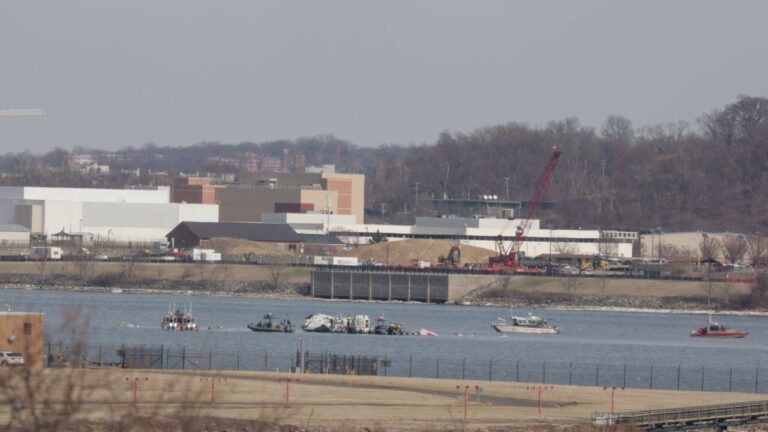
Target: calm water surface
<point x="464" y="331"/>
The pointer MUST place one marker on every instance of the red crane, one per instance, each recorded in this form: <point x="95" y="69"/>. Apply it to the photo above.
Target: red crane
<point x="509" y="257"/>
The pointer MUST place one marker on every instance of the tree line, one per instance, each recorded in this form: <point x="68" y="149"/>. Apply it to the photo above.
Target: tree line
<point x="711" y="176"/>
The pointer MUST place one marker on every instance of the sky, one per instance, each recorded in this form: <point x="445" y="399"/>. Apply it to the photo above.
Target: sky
<point x="177" y="72"/>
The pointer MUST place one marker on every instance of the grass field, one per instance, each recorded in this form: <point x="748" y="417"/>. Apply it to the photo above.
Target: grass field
<point x="105" y="400"/>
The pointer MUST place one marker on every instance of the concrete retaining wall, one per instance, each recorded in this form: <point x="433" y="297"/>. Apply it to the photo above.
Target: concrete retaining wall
<point x="425" y="287"/>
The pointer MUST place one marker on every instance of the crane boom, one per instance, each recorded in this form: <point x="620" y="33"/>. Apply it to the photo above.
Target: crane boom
<point x="21" y="112"/>
<point x="509" y="258"/>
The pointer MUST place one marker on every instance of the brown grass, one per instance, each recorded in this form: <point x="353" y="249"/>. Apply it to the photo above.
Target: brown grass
<point x="255" y="401"/>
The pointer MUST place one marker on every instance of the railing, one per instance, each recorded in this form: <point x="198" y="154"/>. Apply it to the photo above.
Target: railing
<point x="740" y="411"/>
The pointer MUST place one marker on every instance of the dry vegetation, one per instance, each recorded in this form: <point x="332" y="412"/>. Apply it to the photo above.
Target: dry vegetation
<point x="102" y="400"/>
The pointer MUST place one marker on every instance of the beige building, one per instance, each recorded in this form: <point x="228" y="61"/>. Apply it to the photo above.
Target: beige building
<point x="258" y="193"/>
<point x="23" y="332"/>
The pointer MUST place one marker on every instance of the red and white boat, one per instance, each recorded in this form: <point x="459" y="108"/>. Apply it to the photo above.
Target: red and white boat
<point x="715" y="329"/>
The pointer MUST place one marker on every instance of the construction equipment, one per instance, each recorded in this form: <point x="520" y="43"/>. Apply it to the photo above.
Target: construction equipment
<point x="452" y="260"/>
<point x="508" y="258"/>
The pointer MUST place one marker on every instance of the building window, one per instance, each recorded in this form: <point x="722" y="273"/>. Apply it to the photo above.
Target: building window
<point x="27" y="328"/>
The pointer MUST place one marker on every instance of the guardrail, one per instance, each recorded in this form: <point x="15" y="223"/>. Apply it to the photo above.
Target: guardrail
<point x="684" y="418"/>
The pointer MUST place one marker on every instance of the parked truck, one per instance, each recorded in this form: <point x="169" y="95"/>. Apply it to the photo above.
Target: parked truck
<point x="41" y="253"/>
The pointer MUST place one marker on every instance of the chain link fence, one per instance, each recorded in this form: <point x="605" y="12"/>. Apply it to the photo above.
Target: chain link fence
<point x="665" y="377"/>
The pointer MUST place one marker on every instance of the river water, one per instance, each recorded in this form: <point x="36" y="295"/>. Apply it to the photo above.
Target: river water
<point x="466" y="343"/>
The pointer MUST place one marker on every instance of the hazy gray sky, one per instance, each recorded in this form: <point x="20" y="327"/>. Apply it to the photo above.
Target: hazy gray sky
<point x="113" y="74"/>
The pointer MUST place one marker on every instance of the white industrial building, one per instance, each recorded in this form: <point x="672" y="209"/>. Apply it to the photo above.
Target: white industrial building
<point x="13" y="235"/>
<point x="480" y="232"/>
<point x="109" y="214"/>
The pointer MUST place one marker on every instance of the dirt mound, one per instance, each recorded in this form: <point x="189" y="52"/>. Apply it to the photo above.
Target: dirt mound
<point x="230" y="246"/>
<point x="406" y="252"/>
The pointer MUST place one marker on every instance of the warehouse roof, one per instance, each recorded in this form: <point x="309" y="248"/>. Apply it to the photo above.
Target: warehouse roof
<point x="253" y="231"/>
<point x="13" y="228"/>
<point x="321" y="239"/>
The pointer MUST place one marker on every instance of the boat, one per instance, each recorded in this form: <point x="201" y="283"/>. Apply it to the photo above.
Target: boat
<point x="391" y="328"/>
<point x="359" y="324"/>
<point x="269" y="323"/>
<point x="179" y="320"/>
<point x="427" y="332"/>
<point x="715" y="329"/>
<point x="530" y="324"/>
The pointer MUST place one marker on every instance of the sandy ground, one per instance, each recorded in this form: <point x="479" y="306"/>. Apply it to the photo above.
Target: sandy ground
<point x="347" y="402"/>
<point x="408" y="252"/>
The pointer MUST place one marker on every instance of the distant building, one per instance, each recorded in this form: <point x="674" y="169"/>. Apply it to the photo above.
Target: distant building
<point x="480" y="232"/>
<point x="190" y="234"/>
<point x="114" y="214"/>
<point x="198" y="190"/>
<point x="23" y="332"/>
<point x="277" y="192"/>
<point x="14" y="235"/>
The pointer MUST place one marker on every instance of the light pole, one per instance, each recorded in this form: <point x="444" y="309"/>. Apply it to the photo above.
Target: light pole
<point x="550" y="245"/>
<point x="658" y="230"/>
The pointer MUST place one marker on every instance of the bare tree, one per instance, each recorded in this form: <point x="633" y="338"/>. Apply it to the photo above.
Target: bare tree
<point x="757" y="249"/>
<point x="275" y="271"/>
<point x="565" y="248"/>
<point x="734" y="248"/>
<point x="608" y="248"/>
<point x="571" y="283"/>
<point x="128" y="270"/>
<point x="710" y="248"/>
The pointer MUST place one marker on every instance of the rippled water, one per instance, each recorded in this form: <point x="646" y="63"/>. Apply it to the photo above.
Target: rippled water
<point x="465" y="332"/>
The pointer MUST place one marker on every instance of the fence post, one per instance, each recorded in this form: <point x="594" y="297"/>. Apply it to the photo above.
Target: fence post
<point x="570" y="373"/>
<point x="122" y="357"/>
<point x="624" y="381"/>
<point x="517" y="371"/>
<point x="100" y="356"/>
<point x="266" y="360"/>
<point x="237" y="361"/>
<point x="184" y="357"/>
<point x="757" y="377"/>
<point x="437" y="369"/>
<point x="678" y="377"/>
<point x="597" y="375"/>
<point x="490" y="371"/>
<point x="210" y="359"/>
<point x="463" y="366"/>
<point x="651" y="383"/>
<point x="410" y="361"/>
<point x="162" y="355"/>
<point x="702" y="378"/>
<point x="730" y="379"/>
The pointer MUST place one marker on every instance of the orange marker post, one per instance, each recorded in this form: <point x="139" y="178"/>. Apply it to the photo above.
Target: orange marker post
<point x="287" y="381"/>
<point x="133" y="383"/>
<point x="613" y="397"/>
<point x="540" y="390"/>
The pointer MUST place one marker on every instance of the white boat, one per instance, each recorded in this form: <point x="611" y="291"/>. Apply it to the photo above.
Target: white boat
<point x="179" y="320"/>
<point x="530" y="324"/>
